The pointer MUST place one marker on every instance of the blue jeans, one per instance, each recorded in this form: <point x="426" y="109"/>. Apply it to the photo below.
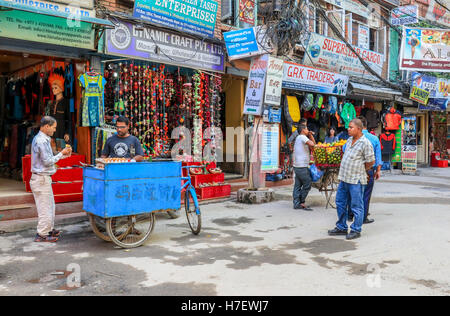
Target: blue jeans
<point x="351" y="194"/>
<point x="368" y="189"/>
<point x="302" y="185"/>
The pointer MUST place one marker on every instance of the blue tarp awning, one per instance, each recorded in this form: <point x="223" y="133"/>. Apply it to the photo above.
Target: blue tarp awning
<point x="64" y="15"/>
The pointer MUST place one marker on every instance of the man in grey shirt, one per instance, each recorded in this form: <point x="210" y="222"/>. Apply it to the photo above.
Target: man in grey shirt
<point x="42" y="168"/>
<point x="303" y="141"/>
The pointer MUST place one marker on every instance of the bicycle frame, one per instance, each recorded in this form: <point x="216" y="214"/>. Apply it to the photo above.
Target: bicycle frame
<point x="188" y="186"/>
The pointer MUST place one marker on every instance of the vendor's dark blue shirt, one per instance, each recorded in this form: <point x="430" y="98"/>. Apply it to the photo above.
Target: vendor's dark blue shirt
<point x="118" y="147"/>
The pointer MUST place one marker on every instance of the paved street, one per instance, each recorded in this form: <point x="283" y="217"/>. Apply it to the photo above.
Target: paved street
<point x="267" y="249"/>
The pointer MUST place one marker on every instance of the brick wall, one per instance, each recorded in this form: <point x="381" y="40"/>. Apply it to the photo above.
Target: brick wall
<point x="126" y="6"/>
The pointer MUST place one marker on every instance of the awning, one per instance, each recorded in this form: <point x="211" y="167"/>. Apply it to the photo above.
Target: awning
<point x="363" y="91"/>
<point x="64" y="15"/>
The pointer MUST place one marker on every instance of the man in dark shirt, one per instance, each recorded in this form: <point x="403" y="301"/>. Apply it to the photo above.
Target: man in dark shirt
<point x="123" y="145"/>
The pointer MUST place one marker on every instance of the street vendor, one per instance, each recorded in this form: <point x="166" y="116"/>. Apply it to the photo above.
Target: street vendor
<point x="122" y="144"/>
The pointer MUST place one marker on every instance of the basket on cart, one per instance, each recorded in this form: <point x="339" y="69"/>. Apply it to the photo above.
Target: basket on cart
<point x="328" y="156"/>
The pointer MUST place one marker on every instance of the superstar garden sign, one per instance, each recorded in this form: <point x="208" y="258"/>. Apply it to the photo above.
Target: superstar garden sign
<point x="193" y="16"/>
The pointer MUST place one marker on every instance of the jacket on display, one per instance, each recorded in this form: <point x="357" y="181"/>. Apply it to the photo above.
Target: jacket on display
<point x="387" y="141"/>
<point x="392" y="120"/>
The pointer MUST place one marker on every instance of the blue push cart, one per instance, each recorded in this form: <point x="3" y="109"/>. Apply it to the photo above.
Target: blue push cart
<point x="122" y="199"/>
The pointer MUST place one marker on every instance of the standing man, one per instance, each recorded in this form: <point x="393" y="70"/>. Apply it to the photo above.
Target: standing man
<point x="304" y="141"/>
<point x="42" y="168"/>
<point x="358" y="159"/>
<point x="122" y="144"/>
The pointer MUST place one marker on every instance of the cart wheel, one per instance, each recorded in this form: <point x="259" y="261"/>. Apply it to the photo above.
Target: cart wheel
<point x="98" y="225"/>
<point x="133" y="230"/>
<point x="194" y="219"/>
<point x="174" y="214"/>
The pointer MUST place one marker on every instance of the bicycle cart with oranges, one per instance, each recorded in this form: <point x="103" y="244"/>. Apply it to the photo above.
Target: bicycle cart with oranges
<point x="328" y="157"/>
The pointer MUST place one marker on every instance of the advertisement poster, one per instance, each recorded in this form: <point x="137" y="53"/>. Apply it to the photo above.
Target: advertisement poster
<point x="247" y="11"/>
<point x="270" y="148"/>
<point x="192" y="16"/>
<point x="246" y="43"/>
<point x="425" y="50"/>
<point x="274" y="81"/>
<point x="363" y="36"/>
<point x="437" y="13"/>
<point x="158" y="45"/>
<point x="46" y="29"/>
<point x="334" y="55"/>
<point x="299" y="77"/>
<point x="405" y="15"/>
<point x="437" y="87"/>
<point x="409" y="145"/>
<point x="397" y="157"/>
<point x="255" y="86"/>
<point x="419" y="95"/>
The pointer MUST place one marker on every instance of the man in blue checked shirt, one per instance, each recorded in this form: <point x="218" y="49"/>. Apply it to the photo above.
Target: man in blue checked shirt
<point x="374" y="174"/>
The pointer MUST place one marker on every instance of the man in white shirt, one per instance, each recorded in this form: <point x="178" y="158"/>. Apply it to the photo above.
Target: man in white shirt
<point x="304" y="142"/>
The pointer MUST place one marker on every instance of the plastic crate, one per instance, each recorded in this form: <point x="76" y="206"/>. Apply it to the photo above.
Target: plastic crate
<point x="196" y="180"/>
<point x="214" y="192"/>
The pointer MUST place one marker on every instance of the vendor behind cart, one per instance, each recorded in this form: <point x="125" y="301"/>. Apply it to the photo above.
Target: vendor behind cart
<point x="122" y="144"/>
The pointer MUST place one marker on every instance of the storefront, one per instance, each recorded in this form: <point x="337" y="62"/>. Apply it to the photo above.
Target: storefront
<point x="169" y="84"/>
<point x="40" y="47"/>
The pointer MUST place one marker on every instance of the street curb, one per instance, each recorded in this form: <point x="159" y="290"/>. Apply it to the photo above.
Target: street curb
<point x="18" y="225"/>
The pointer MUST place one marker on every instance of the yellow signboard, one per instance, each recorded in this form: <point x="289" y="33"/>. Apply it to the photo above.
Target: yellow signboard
<point x="419" y="95"/>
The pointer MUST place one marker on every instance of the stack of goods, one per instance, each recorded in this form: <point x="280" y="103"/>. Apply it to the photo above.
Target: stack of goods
<point x="209" y="181"/>
<point x="329" y="155"/>
<point x="67" y="182"/>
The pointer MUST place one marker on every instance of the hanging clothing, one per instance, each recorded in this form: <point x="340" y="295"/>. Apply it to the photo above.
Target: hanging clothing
<point x="373" y="118"/>
<point x="61" y="113"/>
<point x="348" y="113"/>
<point x="387" y="141"/>
<point x="93" y="109"/>
<point x="392" y="120"/>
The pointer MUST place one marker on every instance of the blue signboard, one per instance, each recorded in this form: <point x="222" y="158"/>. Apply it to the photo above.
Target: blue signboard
<point x="435" y="105"/>
<point x="246" y="43"/>
<point x="192" y="16"/>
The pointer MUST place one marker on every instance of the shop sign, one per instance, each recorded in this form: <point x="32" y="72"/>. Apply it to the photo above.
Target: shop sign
<point x="333" y="55"/>
<point x="247" y="11"/>
<point x="192" y="16"/>
<point x="158" y="45"/>
<point x="437" y="13"/>
<point x="274" y="81"/>
<point x="405" y="15"/>
<point x="270" y="148"/>
<point x="82" y="8"/>
<point x="246" y="43"/>
<point x="435" y="105"/>
<point x="363" y="36"/>
<point x="255" y="86"/>
<point x="437" y="87"/>
<point x="40" y="28"/>
<point x="299" y="77"/>
<point x="425" y="50"/>
<point x="409" y="145"/>
<point x="419" y="95"/>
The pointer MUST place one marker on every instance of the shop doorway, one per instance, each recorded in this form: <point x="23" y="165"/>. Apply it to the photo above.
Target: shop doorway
<point x="422" y="137"/>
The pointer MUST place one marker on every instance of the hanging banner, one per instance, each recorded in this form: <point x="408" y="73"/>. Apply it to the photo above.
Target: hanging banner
<point x="40" y="28"/>
<point x="425" y="50"/>
<point x="363" y="36"/>
<point x="274" y="81"/>
<point x="155" y="44"/>
<point x="419" y="95"/>
<point x="409" y="145"/>
<point x="270" y="148"/>
<point x="255" y="86"/>
<point x="437" y="13"/>
<point x="435" y="105"/>
<point x="405" y="15"/>
<point x="437" y="87"/>
<point x="247" y="11"/>
<point x="246" y="43"/>
<point x="333" y="55"/>
<point x="299" y="77"/>
<point x="191" y="16"/>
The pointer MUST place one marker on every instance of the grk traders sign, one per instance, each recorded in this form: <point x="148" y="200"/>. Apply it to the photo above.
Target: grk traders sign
<point x="155" y="44"/>
<point x="299" y="77"/>
<point x="192" y="16"/>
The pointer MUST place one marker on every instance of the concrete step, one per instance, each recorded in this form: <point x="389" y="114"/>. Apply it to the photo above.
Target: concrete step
<point x="16" y="212"/>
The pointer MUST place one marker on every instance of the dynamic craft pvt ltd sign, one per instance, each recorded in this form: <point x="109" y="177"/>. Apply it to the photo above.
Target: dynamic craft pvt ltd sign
<point x="300" y="77"/>
<point x="191" y="16"/>
<point x="155" y="44"/>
